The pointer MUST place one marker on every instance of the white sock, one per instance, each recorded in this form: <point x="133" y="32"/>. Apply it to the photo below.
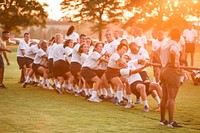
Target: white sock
<point x="27" y="79"/>
<point x="119" y="95"/>
<point x="109" y="92"/>
<point x="101" y="92"/>
<point x="105" y="92"/>
<point x="181" y="78"/>
<point x="94" y="94"/>
<point x="115" y="94"/>
<point x="86" y="91"/>
<point x="157" y="99"/>
<point x="58" y="86"/>
<point x="154" y="79"/>
<point x="129" y="97"/>
<point x="145" y="103"/>
<point x="48" y="83"/>
<point x="55" y="81"/>
<point x="90" y="91"/>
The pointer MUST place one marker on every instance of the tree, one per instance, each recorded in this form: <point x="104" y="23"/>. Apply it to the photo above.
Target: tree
<point x="100" y="12"/>
<point x="162" y="13"/>
<point x="16" y="15"/>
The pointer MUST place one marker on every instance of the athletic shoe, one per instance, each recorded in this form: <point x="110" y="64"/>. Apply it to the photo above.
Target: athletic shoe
<point x="102" y="97"/>
<point x="59" y="91"/>
<point x="146" y="109"/>
<point x="122" y="103"/>
<point x="50" y="87"/>
<point x="138" y="101"/>
<point x="129" y="105"/>
<point x="24" y="85"/>
<point x="87" y="97"/>
<point x="115" y="101"/>
<point x="94" y="99"/>
<point x="173" y="124"/>
<point x="108" y="99"/>
<point x="77" y="94"/>
<point x="165" y="122"/>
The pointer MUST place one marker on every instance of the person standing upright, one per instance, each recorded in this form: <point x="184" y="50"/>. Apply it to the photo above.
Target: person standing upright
<point x="3" y="50"/>
<point x="190" y="36"/>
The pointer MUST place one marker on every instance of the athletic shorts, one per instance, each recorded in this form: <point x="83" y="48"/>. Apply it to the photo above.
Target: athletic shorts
<point x="135" y="92"/>
<point x="112" y="73"/>
<point x="1" y="62"/>
<point x="100" y="72"/>
<point x="88" y="74"/>
<point x="60" y="68"/>
<point x="75" y="67"/>
<point x="21" y="62"/>
<point x="144" y="76"/>
<point x="189" y="47"/>
<point x="35" y="68"/>
<point x="170" y="77"/>
<point x="28" y="61"/>
<point x="50" y="65"/>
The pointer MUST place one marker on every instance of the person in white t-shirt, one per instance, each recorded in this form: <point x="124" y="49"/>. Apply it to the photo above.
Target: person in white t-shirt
<point x="60" y="65"/>
<point x="190" y="36"/>
<point x="141" y="40"/>
<point x="88" y="71"/>
<point x="21" y="50"/>
<point x="112" y="73"/>
<point x="155" y="45"/>
<point x="71" y="34"/>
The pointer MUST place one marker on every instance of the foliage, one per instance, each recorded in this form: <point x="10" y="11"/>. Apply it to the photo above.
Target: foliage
<point x="16" y="15"/>
<point x="162" y="13"/>
<point x="100" y="12"/>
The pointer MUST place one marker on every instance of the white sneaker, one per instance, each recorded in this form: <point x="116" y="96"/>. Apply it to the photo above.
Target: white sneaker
<point x="129" y="105"/>
<point x="94" y="99"/>
<point x="50" y="88"/>
<point x="42" y="86"/>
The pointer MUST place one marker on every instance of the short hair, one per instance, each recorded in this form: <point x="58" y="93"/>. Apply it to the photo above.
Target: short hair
<point x="97" y="44"/>
<point x="121" y="45"/>
<point x="82" y="35"/>
<point x="5" y="31"/>
<point x="26" y="34"/>
<point x="67" y="42"/>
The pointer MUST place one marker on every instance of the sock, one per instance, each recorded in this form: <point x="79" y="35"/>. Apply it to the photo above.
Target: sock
<point x="48" y="83"/>
<point x="181" y="78"/>
<point x="86" y="91"/>
<point x="129" y="97"/>
<point x="109" y="92"/>
<point x="27" y="79"/>
<point x="157" y="99"/>
<point x="101" y="92"/>
<point x="119" y="95"/>
<point x="55" y="81"/>
<point x="105" y="92"/>
<point x="115" y="94"/>
<point x="154" y="79"/>
<point x="145" y="103"/>
<point x="94" y="94"/>
<point x="58" y="86"/>
<point x="90" y="91"/>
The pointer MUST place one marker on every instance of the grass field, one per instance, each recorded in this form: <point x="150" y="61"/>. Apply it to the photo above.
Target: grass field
<point x="35" y="110"/>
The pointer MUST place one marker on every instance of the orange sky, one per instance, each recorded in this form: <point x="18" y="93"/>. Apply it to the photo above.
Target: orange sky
<point x="54" y="9"/>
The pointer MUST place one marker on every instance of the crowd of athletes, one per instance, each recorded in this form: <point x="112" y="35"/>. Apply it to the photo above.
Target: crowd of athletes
<point x="111" y="70"/>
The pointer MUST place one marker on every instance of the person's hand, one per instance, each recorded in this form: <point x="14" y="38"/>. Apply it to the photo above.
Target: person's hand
<point x="8" y="62"/>
<point x="141" y="61"/>
<point x="147" y="63"/>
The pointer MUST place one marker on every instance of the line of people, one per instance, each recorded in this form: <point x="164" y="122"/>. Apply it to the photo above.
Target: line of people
<point x="110" y="71"/>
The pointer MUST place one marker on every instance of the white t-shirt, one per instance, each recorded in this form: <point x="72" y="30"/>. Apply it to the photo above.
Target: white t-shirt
<point x="83" y="58"/>
<point x="112" y="63"/>
<point x="58" y="53"/>
<point x="141" y="41"/>
<point x="74" y="36"/>
<point x="156" y="44"/>
<point x="31" y="52"/>
<point x="181" y="43"/>
<point x="68" y="52"/>
<point x="142" y="54"/>
<point x="51" y="49"/>
<point x="111" y="47"/>
<point x="93" y="61"/>
<point x="22" y="46"/>
<point x="76" y="57"/>
<point x="132" y="65"/>
<point x="189" y="35"/>
<point x="38" y="57"/>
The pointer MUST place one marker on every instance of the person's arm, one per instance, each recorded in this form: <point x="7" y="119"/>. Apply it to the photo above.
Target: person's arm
<point x="172" y="57"/>
<point x="6" y="58"/>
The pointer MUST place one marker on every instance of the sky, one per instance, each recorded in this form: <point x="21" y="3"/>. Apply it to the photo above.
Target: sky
<point x="54" y="9"/>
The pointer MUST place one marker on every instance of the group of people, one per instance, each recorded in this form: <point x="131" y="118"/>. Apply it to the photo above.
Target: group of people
<point x="112" y="70"/>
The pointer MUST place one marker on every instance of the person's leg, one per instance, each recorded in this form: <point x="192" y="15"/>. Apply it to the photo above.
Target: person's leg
<point x="163" y="102"/>
<point x="172" y="92"/>
<point x="119" y="87"/>
<point x="1" y="75"/>
<point x="192" y="58"/>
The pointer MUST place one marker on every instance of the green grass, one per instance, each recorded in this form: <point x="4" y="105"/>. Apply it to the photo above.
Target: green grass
<point x="35" y="110"/>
